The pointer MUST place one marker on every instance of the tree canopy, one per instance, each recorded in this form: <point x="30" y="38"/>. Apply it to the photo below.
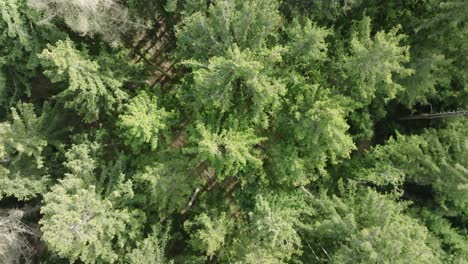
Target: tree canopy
<point x="233" y="131"/>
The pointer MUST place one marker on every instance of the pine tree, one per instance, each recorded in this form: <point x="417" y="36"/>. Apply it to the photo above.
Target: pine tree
<point x="273" y="137"/>
<point x="309" y="133"/>
<point x="363" y="226"/>
<point x="229" y="152"/>
<point x="165" y="182"/>
<point x="89" y="89"/>
<point x="269" y="235"/>
<point x="374" y="61"/>
<point x="237" y="82"/>
<point x="307" y="44"/>
<point x="434" y="159"/>
<point x="78" y="224"/>
<point x="81" y="220"/>
<point x="212" y="32"/>
<point x="210" y="234"/>
<point x="20" y="41"/>
<point x="151" y="249"/>
<point x="21" y="150"/>
<point x="142" y="121"/>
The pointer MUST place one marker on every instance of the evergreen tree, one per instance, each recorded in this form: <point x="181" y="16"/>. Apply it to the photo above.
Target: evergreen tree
<point x="151" y="250"/>
<point x="142" y="121"/>
<point x="363" y="226"/>
<point x="21" y="39"/>
<point x="434" y="160"/>
<point x="233" y="131"/>
<point x="21" y="150"/>
<point x="89" y="90"/>
<point x="81" y="218"/>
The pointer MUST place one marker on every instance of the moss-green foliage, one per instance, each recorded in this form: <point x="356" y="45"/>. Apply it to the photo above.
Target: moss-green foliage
<point x="21" y="38"/>
<point x="151" y="249"/>
<point x="164" y="183"/>
<point x="362" y="226"/>
<point x="12" y="20"/>
<point x="210" y="234"/>
<point x="229" y="152"/>
<point x="212" y="32"/>
<point x="237" y="82"/>
<point x="310" y="132"/>
<point x="371" y="71"/>
<point x="79" y="217"/>
<point x="273" y="136"/>
<point x="434" y="160"/>
<point x="89" y="90"/>
<point x="15" y="36"/>
<point x="80" y="211"/>
<point x="453" y="238"/>
<point x="269" y="234"/>
<point x="307" y="44"/>
<point x="21" y="149"/>
<point x="373" y="62"/>
<point x="142" y="121"/>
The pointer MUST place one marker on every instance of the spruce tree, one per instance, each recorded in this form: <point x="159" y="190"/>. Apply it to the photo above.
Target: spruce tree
<point x="233" y="131"/>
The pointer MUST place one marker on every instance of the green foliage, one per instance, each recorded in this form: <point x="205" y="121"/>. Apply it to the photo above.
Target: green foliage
<point x="430" y="70"/>
<point x="323" y="10"/>
<point x="363" y="226"/>
<point x="171" y="6"/>
<point x="245" y="24"/>
<point x="374" y="61"/>
<point x="20" y="39"/>
<point x="232" y="64"/>
<point x="388" y="244"/>
<point x="307" y="43"/>
<point x="14" y="23"/>
<point x="229" y="152"/>
<point x="312" y="132"/>
<point x="78" y="224"/>
<point x="269" y="235"/>
<point x="238" y="82"/>
<point x="369" y="69"/>
<point x="452" y="238"/>
<point x="233" y="131"/>
<point x="22" y="143"/>
<point x="142" y="121"/>
<point x="23" y="135"/>
<point x="150" y="250"/>
<point x="435" y="158"/>
<point x="210" y="234"/>
<point x="78" y="221"/>
<point x="164" y="183"/>
<point x="89" y="89"/>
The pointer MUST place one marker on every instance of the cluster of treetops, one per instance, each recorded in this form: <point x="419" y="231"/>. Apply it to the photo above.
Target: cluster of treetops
<point x="278" y="138"/>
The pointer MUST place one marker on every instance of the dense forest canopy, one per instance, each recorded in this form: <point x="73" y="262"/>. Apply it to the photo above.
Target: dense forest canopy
<point x="233" y="131"/>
